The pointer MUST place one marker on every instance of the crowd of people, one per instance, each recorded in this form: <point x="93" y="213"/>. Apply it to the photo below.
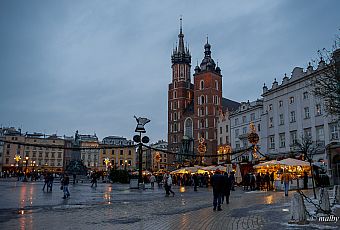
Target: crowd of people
<point x="258" y="181"/>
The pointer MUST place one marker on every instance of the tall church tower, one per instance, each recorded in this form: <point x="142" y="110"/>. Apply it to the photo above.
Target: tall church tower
<point x="180" y="94"/>
<point x="207" y="102"/>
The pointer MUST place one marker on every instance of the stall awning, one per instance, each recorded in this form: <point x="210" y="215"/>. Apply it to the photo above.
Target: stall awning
<point x="294" y="162"/>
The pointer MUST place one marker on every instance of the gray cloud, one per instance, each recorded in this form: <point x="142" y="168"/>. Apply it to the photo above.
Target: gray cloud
<point x="92" y="65"/>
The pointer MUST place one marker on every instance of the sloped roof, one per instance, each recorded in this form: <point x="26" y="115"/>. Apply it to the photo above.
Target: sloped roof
<point x="229" y="104"/>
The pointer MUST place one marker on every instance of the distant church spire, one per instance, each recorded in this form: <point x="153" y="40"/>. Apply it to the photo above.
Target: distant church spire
<point x="181" y="54"/>
<point x="181" y="38"/>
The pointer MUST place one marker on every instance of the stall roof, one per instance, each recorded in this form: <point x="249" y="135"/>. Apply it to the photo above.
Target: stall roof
<point x="294" y="162"/>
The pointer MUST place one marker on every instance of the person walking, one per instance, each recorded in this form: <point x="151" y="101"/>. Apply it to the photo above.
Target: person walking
<point x="258" y="181"/>
<point x="152" y="181"/>
<point x="65" y="181"/>
<point x="74" y="178"/>
<point x="285" y="179"/>
<point x="226" y="189"/>
<point x="195" y="179"/>
<point x="165" y="184"/>
<point x="267" y="181"/>
<point x="50" y="181"/>
<point x="217" y="182"/>
<point x="252" y="182"/>
<point x="305" y="180"/>
<point x="272" y="180"/>
<point x="94" y="180"/>
<point x="169" y="183"/>
<point x="232" y="180"/>
<point x="46" y="182"/>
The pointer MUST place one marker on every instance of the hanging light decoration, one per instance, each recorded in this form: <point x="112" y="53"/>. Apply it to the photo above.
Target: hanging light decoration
<point x="253" y="139"/>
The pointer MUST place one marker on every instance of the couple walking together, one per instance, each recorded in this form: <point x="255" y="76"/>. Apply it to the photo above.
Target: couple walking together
<point x="221" y="188"/>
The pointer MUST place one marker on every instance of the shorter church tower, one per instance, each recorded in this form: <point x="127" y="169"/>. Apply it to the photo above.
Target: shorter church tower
<point x="207" y="103"/>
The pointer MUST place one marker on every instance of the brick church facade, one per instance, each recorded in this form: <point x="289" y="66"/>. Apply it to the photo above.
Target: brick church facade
<point x="193" y="108"/>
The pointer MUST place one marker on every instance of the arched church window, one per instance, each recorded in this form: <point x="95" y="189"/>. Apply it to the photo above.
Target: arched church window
<point x="175" y="84"/>
<point x="202" y="84"/>
<point x="216" y="84"/>
<point x="175" y="94"/>
<point x="202" y="99"/>
<point x="188" y="127"/>
<point x="202" y="123"/>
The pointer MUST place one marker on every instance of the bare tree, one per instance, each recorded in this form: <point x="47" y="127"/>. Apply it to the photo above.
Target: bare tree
<point x="307" y="147"/>
<point x="326" y="84"/>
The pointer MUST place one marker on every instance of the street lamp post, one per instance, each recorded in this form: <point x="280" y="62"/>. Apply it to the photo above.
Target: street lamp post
<point x="25" y="178"/>
<point x="106" y="161"/>
<point x="138" y="138"/>
<point x="17" y="158"/>
<point x="125" y="164"/>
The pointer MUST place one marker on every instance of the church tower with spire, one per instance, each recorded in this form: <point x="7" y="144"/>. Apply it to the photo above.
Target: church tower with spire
<point x="207" y="102"/>
<point x="180" y="93"/>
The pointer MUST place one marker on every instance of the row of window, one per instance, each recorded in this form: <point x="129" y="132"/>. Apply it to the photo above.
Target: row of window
<point x="244" y="119"/>
<point x="222" y="142"/>
<point x="175" y="116"/>
<point x="112" y="151"/>
<point x="320" y="137"/>
<point x="38" y="162"/>
<point x="292" y="117"/>
<point x="205" y="135"/>
<point x="245" y="130"/>
<point x="291" y="100"/>
<point x="244" y="144"/>
<point x="203" y="99"/>
<point x="226" y="129"/>
<point x="202" y="85"/>
<point x="47" y="155"/>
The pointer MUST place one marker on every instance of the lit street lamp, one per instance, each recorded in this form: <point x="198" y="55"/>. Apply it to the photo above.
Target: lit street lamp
<point x="106" y="161"/>
<point x="17" y="158"/>
<point x="125" y="165"/>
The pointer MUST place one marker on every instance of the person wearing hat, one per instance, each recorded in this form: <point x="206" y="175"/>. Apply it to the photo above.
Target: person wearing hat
<point x="217" y="181"/>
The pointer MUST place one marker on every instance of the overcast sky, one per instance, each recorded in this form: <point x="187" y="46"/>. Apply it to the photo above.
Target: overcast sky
<point x="92" y="65"/>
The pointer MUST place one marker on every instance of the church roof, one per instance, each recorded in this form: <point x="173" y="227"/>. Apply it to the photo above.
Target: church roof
<point x="229" y="104"/>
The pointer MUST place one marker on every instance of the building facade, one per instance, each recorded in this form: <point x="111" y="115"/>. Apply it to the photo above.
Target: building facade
<point x="119" y="152"/>
<point x="223" y="137"/>
<point x="240" y="120"/>
<point x="159" y="159"/>
<point x="291" y="112"/>
<point x="89" y="151"/>
<point x="193" y="108"/>
<point x="33" y="152"/>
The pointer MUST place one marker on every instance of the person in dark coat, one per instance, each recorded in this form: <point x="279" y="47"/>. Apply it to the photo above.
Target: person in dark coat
<point x="46" y="177"/>
<point x="246" y="181"/>
<point x="217" y="181"/>
<point x="272" y="180"/>
<point x="94" y="179"/>
<point x="232" y="180"/>
<point x="195" y="179"/>
<point x="226" y="189"/>
<point x="258" y="181"/>
<point x="305" y="180"/>
<point x="252" y="182"/>
<point x="267" y="181"/>
<point x="65" y="181"/>
<point x="50" y="182"/>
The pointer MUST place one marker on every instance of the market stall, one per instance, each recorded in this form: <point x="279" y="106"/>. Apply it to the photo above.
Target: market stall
<point x="296" y="169"/>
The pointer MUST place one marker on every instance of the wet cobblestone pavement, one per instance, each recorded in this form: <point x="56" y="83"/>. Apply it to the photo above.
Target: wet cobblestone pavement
<point x="115" y="206"/>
